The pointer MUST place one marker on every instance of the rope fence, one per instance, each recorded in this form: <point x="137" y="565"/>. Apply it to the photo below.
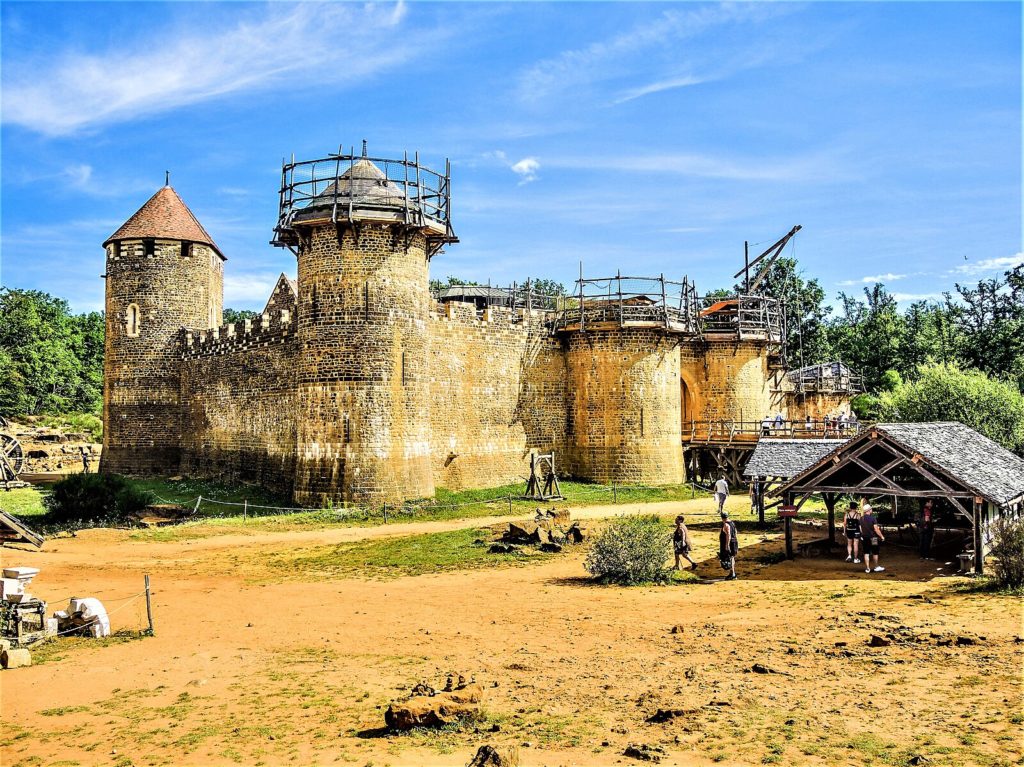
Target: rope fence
<point x="212" y="508"/>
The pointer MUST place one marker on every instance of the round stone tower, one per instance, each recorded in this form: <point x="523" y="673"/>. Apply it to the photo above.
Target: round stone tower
<point x="363" y="230"/>
<point x="163" y="273"/>
<point x="622" y="337"/>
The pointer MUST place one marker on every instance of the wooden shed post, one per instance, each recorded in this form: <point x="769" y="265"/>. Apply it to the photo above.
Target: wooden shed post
<point x="979" y="540"/>
<point x="788" y="525"/>
<point x="760" y="499"/>
<point x="830" y="504"/>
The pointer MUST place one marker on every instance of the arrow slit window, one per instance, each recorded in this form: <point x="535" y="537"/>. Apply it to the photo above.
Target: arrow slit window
<point x="132" y="320"/>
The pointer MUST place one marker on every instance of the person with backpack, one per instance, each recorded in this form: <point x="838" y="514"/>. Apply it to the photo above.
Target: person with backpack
<point x="851" y="525"/>
<point x="872" y="536"/>
<point x="681" y="543"/>
<point x="728" y="546"/>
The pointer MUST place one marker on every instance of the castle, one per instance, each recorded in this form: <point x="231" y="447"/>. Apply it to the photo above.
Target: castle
<point x="356" y="384"/>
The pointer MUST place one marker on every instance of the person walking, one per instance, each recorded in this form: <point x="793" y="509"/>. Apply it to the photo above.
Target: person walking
<point x="872" y="536"/>
<point x="728" y="546"/>
<point x="925" y="530"/>
<point x="755" y="490"/>
<point x="681" y="543"/>
<point x="721" y="492"/>
<point x="851" y="524"/>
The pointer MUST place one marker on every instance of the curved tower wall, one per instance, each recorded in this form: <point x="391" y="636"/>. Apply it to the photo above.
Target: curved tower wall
<point x="363" y="425"/>
<point x="149" y="298"/>
<point x="726" y="381"/>
<point x="624" y="407"/>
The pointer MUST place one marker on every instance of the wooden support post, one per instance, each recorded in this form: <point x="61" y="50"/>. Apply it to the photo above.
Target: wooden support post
<point x="830" y="504"/>
<point x="245" y="509"/>
<point x="615" y="494"/>
<point x="789" y="537"/>
<point x="149" y="606"/>
<point x="979" y="539"/>
<point x="385" y="512"/>
<point x="760" y="500"/>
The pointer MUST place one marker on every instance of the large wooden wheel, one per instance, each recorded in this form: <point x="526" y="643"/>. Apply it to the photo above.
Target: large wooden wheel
<point x="12" y="458"/>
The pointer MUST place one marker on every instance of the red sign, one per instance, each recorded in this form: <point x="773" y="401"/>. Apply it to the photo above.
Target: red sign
<point x="787" y="511"/>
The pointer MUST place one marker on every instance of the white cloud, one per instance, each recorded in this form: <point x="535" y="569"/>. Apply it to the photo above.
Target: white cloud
<point x="337" y="43"/>
<point x="526" y="169"/>
<point x="248" y="288"/>
<point x="917" y="296"/>
<point x="659" y="86"/>
<point x="887" y="277"/>
<point x="631" y="51"/>
<point x="988" y="265"/>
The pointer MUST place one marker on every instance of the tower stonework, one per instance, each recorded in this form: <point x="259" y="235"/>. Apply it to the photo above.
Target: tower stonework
<point x="364" y="414"/>
<point x="624" y="420"/>
<point x="163" y="273"/>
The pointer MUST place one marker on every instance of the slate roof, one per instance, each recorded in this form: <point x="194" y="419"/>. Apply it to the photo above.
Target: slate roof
<point x="979" y="464"/>
<point x="164" y="216"/>
<point x="785" y="458"/>
<point x="366" y="184"/>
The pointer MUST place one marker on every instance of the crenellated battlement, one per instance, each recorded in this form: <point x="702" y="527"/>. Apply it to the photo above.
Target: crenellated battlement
<point x="268" y="328"/>
<point x="494" y="316"/>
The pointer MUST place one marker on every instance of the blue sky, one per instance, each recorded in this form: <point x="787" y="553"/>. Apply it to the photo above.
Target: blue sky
<point x="643" y="137"/>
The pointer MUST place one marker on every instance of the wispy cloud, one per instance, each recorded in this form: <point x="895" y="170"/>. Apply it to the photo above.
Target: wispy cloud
<point x="248" y="288"/>
<point x="76" y="91"/>
<point x="989" y="265"/>
<point x="629" y="53"/>
<point x="887" y="277"/>
<point x="917" y="296"/>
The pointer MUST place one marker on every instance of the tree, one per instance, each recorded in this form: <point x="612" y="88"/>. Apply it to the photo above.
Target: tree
<point x="946" y="393"/>
<point x="870" y="335"/>
<point x="807" y="314"/>
<point x="52" y="361"/>
<point x="238" y="315"/>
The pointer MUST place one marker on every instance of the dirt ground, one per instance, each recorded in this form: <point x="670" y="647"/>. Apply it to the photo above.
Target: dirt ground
<point x="252" y="666"/>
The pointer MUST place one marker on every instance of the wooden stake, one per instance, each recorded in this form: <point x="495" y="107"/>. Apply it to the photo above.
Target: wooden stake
<point x="385" y="512"/>
<point x="245" y="509"/>
<point x="149" y="607"/>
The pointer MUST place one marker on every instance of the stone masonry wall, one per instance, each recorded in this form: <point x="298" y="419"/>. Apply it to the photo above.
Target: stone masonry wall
<point x="238" y="403"/>
<point x="497" y="392"/>
<point x="148" y="300"/>
<point x="363" y="428"/>
<point x="726" y="381"/>
<point x="624" y="407"/>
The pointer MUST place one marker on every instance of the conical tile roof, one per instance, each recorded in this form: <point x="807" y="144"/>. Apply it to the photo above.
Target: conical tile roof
<point x="164" y="216"/>
<point x="365" y="183"/>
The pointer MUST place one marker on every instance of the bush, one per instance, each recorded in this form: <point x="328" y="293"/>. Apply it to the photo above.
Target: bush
<point x="631" y="550"/>
<point x="106" y="498"/>
<point x="1008" y="552"/>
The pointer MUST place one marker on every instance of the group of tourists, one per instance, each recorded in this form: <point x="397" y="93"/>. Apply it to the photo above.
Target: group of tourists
<point x="864" y="534"/>
<point x="728" y="538"/>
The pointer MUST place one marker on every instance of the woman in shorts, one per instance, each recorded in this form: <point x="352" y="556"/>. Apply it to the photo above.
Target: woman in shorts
<point x="851" y="524"/>
<point x="681" y="543"/>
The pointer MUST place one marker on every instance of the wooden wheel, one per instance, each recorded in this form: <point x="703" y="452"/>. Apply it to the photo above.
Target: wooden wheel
<point x="12" y="457"/>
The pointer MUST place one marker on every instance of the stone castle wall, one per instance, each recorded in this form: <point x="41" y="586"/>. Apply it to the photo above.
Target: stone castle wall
<point x="497" y="391"/>
<point x="363" y="421"/>
<point x="624" y="407"/>
<point x="149" y="297"/>
<point x="238" y="401"/>
<point x="726" y="381"/>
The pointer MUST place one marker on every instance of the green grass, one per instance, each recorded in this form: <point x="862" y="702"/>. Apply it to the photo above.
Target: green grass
<point x="24" y="502"/>
<point x="79" y="423"/>
<point x="57" y="648"/>
<point x="405" y="556"/>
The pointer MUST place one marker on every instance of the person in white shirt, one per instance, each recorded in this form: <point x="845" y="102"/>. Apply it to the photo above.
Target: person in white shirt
<point x="721" y="492"/>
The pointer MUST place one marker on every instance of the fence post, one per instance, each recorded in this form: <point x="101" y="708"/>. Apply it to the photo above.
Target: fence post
<point x="199" y="500"/>
<point x="615" y="494"/>
<point x="510" y="503"/>
<point x="149" y="607"/>
<point x="245" y="509"/>
<point x="385" y="512"/>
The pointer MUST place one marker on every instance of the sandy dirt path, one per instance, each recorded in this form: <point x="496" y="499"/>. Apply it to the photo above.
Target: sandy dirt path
<point x="244" y="670"/>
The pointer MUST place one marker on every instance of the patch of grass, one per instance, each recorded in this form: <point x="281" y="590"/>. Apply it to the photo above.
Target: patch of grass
<point x="64" y="710"/>
<point x="57" y="648"/>
<point x="90" y="424"/>
<point x="404" y="556"/>
<point x="26" y="502"/>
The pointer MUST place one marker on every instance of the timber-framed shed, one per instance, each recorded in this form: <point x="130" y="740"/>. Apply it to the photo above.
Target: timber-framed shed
<point x="978" y="478"/>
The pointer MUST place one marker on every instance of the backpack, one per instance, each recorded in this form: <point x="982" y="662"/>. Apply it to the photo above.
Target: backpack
<point x="734" y="539"/>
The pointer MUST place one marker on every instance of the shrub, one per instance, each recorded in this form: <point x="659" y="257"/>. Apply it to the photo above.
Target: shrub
<point x="1008" y="551"/>
<point x="108" y="498"/>
<point x="631" y="550"/>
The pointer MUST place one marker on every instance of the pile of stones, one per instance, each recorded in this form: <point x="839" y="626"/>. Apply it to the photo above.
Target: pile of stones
<point x="550" y="530"/>
<point x="428" y="707"/>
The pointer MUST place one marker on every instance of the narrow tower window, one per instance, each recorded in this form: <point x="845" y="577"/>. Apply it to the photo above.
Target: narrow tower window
<point x="149" y="248"/>
<point x="186" y="249"/>
<point x="132" y="320"/>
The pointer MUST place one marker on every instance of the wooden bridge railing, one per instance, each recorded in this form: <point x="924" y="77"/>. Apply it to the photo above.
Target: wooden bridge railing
<point x="726" y="432"/>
